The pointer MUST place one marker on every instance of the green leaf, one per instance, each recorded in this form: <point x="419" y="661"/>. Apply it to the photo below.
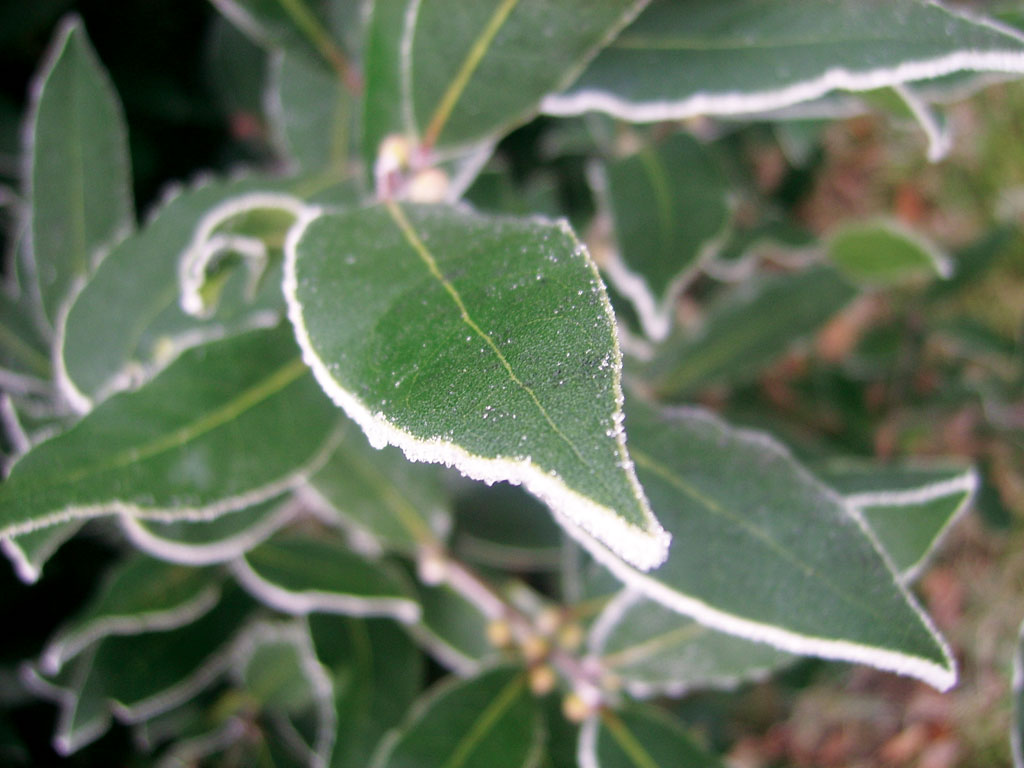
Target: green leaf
<point x="299" y="574"/>
<point x="484" y="343"/>
<point x="79" y="179"/>
<point x="203" y="542"/>
<point x="746" y="330"/>
<point x="479" y="84"/>
<point x="378" y="673"/>
<point x="311" y="114"/>
<point x="503" y="527"/>
<point x="226" y="426"/>
<point x="126" y="324"/>
<point x="382" y="91"/>
<point x="24" y="350"/>
<point x="908" y="507"/>
<point x="658" y="652"/>
<point x="299" y="27"/>
<point x="761" y="549"/>
<point x="29" y="552"/>
<point x="398" y="505"/>
<point x="669" y="205"/>
<point x="488" y="721"/>
<point x="452" y="630"/>
<point x="277" y="667"/>
<point x="139" y="595"/>
<point x="883" y="254"/>
<point x="137" y="677"/>
<point x="640" y="736"/>
<point x="683" y="58"/>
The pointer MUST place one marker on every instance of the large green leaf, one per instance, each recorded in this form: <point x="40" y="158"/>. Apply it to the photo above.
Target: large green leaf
<point x="79" y="180"/>
<point x="640" y="736"/>
<point x="140" y="595"/>
<point x="126" y="324"/>
<point x="746" y="330"/>
<point x="378" y="494"/>
<point x="224" y="427"/>
<point x="909" y="507"/>
<point x="301" y="574"/>
<point x="669" y="204"/>
<point x="480" y="342"/>
<point x="488" y="721"/>
<point x="378" y="673"/>
<point x="683" y="58"/>
<point x="480" y="83"/>
<point x="761" y="549"/>
<point x="658" y="652"/>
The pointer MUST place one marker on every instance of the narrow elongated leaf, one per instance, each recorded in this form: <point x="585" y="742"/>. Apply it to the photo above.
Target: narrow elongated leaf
<point x="311" y="114"/>
<point x="80" y="182"/>
<point x="479" y="83"/>
<point x="884" y="255"/>
<point x="763" y="550"/>
<point x="640" y="736"/>
<point x="382" y="91"/>
<point x="909" y="508"/>
<point x="301" y="574"/>
<point x="126" y="324"/>
<point x="378" y="673"/>
<point x="224" y="427"/>
<point x="657" y="652"/>
<point x="202" y="542"/>
<point x="277" y="666"/>
<point x="669" y="205"/>
<point x="686" y="58"/>
<point x="136" y="677"/>
<point x="745" y="331"/>
<point x="484" y="343"/>
<point x="379" y="494"/>
<point x="140" y="595"/>
<point x="488" y="721"/>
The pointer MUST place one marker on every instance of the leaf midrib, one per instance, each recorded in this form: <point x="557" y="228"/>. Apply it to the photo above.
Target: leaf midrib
<point x="465" y="72"/>
<point x="242" y="402"/>
<point x="483" y="724"/>
<point x="421" y="250"/>
<point x="642" y="459"/>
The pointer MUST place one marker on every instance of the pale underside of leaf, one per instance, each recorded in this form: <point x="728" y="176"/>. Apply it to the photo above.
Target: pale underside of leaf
<point x="630" y="529"/>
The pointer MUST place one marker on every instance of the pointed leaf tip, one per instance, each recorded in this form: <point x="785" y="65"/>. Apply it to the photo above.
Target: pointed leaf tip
<point x="483" y="343"/>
